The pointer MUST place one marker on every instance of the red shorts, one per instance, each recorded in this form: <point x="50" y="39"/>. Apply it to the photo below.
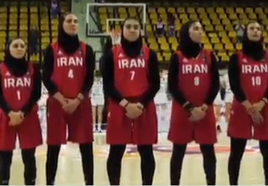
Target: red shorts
<point x="241" y="125"/>
<point x="28" y="132"/>
<point x="122" y="130"/>
<point x="183" y="131"/>
<point x="78" y="124"/>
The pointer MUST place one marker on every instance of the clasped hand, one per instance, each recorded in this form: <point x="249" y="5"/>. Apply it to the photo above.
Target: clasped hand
<point x="70" y="105"/>
<point x="254" y="111"/>
<point x="134" y="110"/>
<point x="16" y="118"/>
<point x="198" y="113"/>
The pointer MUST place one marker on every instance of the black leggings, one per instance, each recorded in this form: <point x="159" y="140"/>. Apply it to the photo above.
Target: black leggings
<point x="236" y="154"/>
<point x="87" y="163"/>
<point x="147" y="163"/>
<point x="28" y="158"/>
<point x="209" y="163"/>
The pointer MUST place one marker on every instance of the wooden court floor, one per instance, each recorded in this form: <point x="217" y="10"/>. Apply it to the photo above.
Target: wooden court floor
<point x="70" y="171"/>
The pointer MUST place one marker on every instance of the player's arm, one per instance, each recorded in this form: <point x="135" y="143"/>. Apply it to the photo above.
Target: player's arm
<point x="108" y="80"/>
<point x="173" y="81"/>
<point x="47" y="71"/>
<point x="90" y="67"/>
<point x="215" y="81"/>
<point x="36" y="91"/>
<point x="153" y="79"/>
<point x="3" y="104"/>
<point x="235" y="81"/>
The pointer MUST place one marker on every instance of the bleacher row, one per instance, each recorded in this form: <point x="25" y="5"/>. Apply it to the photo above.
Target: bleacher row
<point x="17" y="18"/>
<point x="218" y="22"/>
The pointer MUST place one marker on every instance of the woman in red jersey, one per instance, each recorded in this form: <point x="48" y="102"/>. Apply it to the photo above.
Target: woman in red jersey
<point x="193" y="82"/>
<point x="248" y="76"/>
<point x="68" y="73"/>
<point x="20" y="90"/>
<point x="131" y="81"/>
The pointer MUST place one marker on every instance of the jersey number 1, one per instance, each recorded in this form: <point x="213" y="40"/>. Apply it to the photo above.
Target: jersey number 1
<point x="71" y="74"/>
<point x="18" y="95"/>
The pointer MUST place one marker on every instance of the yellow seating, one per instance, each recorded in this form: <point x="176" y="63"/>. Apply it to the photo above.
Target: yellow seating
<point x="218" y="23"/>
<point x="18" y="18"/>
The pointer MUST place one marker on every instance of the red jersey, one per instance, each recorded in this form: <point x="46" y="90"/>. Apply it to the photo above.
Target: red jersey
<point x="69" y="71"/>
<point x="130" y="74"/>
<point x="254" y="77"/>
<point x="16" y="90"/>
<point x="194" y="77"/>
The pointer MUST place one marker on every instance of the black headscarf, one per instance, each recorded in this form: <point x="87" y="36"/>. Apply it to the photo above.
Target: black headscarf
<point x="131" y="48"/>
<point x="253" y="49"/>
<point x="17" y="67"/>
<point x="188" y="48"/>
<point x="68" y="43"/>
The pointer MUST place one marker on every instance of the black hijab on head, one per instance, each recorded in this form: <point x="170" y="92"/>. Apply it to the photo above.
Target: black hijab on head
<point x="188" y="48"/>
<point x="253" y="49"/>
<point x="131" y="48"/>
<point x="17" y="67"/>
<point x="68" y="43"/>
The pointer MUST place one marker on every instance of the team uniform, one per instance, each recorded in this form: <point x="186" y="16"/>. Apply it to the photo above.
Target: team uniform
<point x="68" y="75"/>
<point x="42" y="103"/>
<point x="97" y="97"/>
<point x="195" y="80"/>
<point x="137" y="80"/>
<point x="249" y="81"/>
<point x="254" y="76"/>
<point x="218" y="101"/>
<point x="130" y="80"/>
<point x="228" y="98"/>
<point x="161" y="96"/>
<point x="17" y="92"/>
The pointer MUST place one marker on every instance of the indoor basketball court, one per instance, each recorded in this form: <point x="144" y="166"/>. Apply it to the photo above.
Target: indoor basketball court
<point x="70" y="170"/>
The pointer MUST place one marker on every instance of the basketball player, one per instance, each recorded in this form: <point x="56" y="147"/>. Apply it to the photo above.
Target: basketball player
<point x="161" y="96"/>
<point x="193" y="82"/>
<point x="68" y="73"/>
<point x="131" y="81"/>
<point x="228" y="98"/>
<point x="20" y="90"/>
<point x="248" y="77"/>
<point x="97" y="100"/>
<point x="218" y="106"/>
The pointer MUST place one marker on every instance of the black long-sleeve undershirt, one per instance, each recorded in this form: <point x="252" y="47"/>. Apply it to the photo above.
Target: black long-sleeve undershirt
<point x="173" y="81"/>
<point x="108" y="78"/>
<point x="235" y="80"/>
<point x="48" y="66"/>
<point x="35" y="94"/>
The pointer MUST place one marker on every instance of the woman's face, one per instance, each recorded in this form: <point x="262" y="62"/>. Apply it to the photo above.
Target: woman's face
<point x="17" y="48"/>
<point x="70" y="24"/>
<point x="254" y="31"/>
<point x="196" y="32"/>
<point x="131" y="30"/>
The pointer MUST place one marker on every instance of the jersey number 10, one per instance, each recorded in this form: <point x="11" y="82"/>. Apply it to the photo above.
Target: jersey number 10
<point x="256" y="80"/>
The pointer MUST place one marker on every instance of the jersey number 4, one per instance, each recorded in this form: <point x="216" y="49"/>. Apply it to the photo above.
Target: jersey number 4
<point x="256" y="80"/>
<point x="71" y="74"/>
